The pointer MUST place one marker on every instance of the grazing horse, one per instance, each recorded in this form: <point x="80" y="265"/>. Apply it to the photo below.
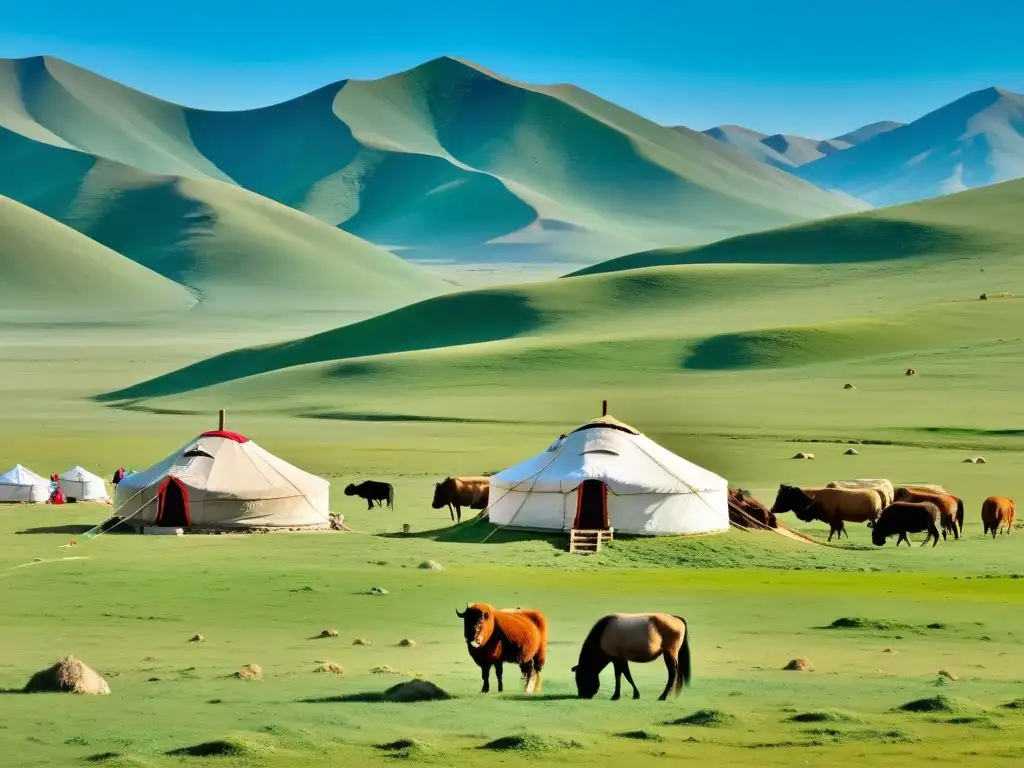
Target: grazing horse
<point x="882" y="486"/>
<point x="835" y="506"/>
<point x="996" y="512"/>
<point x="495" y="637"/>
<point x="903" y="517"/>
<point x="371" y="491"/>
<point x="620" y="638"/>
<point x="459" y="492"/>
<point x="950" y="507"/>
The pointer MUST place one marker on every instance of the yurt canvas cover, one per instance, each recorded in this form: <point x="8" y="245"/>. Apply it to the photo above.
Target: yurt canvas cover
<point x="603" y="475"/>
<point x="83" y="485"/>
<point x="224" y="480"/>
<point x="21" y="485"/>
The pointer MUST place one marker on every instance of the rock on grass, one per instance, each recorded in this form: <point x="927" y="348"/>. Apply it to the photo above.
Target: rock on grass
<point x="331" y="668"/>
<point x="407" y="642"/>
<point x="799" y="665"/>
<point x="431" y="565"/>
<point x="197" y="639"/>
<point x="328" y="633"/>
<point x="250" y="672"/>
<point x="416" y="690"/>
<point x="69" y="675"/>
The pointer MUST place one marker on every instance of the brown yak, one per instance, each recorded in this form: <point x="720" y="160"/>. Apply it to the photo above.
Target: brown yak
<point x="459" y="492"/>
<point x="496" y="637"/>
<point x="950" y="507"/>
<point x="835" y="506"/>
<point x="747" y="512"/>
<point x="996" y="512"/>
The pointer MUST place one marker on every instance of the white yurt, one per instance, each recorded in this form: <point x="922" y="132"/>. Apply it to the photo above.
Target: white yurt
<point x="605" y="474"/>
<point x="21" y="485"/>
<point x="82" y="485"/>
<point x="223" y="480"/>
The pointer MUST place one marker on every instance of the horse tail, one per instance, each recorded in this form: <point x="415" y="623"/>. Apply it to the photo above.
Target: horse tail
<point x="683" y="661"/>
<point x="960" y="513"/>
<point x="391" y="496"/>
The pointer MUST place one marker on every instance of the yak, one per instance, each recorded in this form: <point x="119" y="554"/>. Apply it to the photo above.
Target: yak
<point x="496" y="637"/>
<point x="459" y="492"/>
<point x="371" y="491"/>
<point x="903" y="517"/>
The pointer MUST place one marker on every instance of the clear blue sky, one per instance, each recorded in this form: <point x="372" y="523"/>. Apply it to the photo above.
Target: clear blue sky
<point x="805" y="67"/>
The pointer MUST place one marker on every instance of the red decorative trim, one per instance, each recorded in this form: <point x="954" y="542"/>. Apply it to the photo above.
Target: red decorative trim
<point x="226" y="435"/>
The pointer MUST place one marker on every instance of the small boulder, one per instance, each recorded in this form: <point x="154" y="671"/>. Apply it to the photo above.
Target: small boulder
<point x="69" y="675"/>
<point x="197" y="639"/>
<point x="911" y="372"/>
<point x="361" y="641"/>
<point x="802" y="455"/>
<point x="979" y="460"/>
<point x="377" y="591"/>
<point x="383" y="670"/>
<point x="328" y="633"/>
<point x="848" y="386"/>
<point x="415" y="690"/>
<point x="799" y="665"/>
<point x="431" y="565"/>
<point x="968" y="460"/>
<point x="407" y="642"/>
<point x="851" y="452"/>
<point x="331" y="668"/>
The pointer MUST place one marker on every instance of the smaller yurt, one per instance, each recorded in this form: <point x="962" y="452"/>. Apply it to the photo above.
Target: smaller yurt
<point x="606" y="475"/>
<point x="21" y="485"/>
<point x="223" y="480"/>
<point x="82" y="485"/>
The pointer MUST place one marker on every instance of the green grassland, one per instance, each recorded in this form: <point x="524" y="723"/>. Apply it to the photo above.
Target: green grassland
<point x="734" y="365"/>
<point x="443" y="161"/>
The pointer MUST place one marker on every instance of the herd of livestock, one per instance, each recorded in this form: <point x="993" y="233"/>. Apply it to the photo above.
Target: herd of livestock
<point x="886" y="510"/>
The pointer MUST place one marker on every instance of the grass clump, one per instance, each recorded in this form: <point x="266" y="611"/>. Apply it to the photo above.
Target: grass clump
<point x="641" y="735"/>
<point x="825" y="716"/>
<point x="859" y="622"/>
<point x="706" y="718"/>
<point x="229" y="747"/>
<point x="1015" y="704"/>
<point x="940" y="704"/>
<point x="981" y="721"/>
<point x="530" y="742"/>
<point x="414" y="750"/>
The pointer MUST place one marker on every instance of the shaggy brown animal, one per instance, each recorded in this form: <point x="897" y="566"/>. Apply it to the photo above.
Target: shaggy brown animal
<point x="69" y="675"/>
<point x="951" y="508"/>
<point x="998" y="512"/>
<point x="747" y="512"/>
<point x="903" y="517"/>
<point x="459" y="492"/>
<point x="495" y="637"/>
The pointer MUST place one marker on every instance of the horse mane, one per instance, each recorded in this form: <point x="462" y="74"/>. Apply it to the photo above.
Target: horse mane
<point x="592" y="644"/>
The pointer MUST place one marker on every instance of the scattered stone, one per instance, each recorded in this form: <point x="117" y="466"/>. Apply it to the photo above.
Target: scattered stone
<point x="848" y="386"/>
<point x="802" y="455"/>
<point x="406" y="528"/>
<point x="69" y="675"/>
<point x="250" y="672"/>
<point x="331" y="668"/>
<point x="383" y="670"/>
<point x="415" y="690"/>
<point x="407" y="642"/>
<point x="153" y="680"/>
<point x="911" y="372"/>
<point x="983" y="297"/>
<point x="377" y="591"/>
<point x="799" y="665"/>
<point x="328" y="633"/>
<point x="361" y="641"/>
<point x="980" y="460"/>
<point x="968" y="460"/>
<point x="430" y="565"/>
<point x="851" y="452"/>
<point x="197" y="639"/>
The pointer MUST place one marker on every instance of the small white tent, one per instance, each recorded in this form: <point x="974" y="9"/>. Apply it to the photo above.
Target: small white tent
<point x="82" y="485"/>
<point x="605" y="474"/>
<point x="21" y="485"/>
<point x="224" y="480"/>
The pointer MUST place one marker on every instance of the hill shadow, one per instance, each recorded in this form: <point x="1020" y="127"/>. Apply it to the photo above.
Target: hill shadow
<point x="476" y="531"/>
<point x="72" y="529"/>
<point x="365" y="697"/>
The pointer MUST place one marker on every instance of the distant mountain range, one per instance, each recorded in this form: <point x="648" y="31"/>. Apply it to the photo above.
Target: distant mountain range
<point x="446" y="161"/>
<point x="973" y="142"/>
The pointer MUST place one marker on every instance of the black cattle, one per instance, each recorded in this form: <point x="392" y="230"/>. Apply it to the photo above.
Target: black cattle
<point x="372" y="491"/>
<point x="903" y="517"/>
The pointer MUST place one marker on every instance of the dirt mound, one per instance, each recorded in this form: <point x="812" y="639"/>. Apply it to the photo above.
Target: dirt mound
<point x="197" y="639"/>
<point x="69" y="675"/>
<point x="825" y="716"/>
<point x="859" y="622"/>
<point x="407" y="642"/>
<point x="532" y="743"/>
<point x="219" y="748"/>
<point x="328" y="633"/>
<point x="641" y="735"/>
<point x="706" y="718"/>
<point x="940" y="704"/>
<point x="430" y="565"/>
<point x="799" y="665"/>
<point x="415" y="690"/>
<point x="331" y="668"/>
<point x="250" y="672"/>
<point x="361" y="641"/>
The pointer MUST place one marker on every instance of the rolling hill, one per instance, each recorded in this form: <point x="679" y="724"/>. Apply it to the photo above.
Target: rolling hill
<point x="976" y="224"/>
<point x="883" y="282"/>
<point x="975" y="141"/>
<point x="444" y="161"/>
<point x="788" y="152"/>
<point x="223" y="242"/>
<point x="44" y="264"/>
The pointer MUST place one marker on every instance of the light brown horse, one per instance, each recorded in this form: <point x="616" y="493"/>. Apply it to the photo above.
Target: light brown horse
<point x="950" y="507"/>
<point x="835" y="506"/>
<point x="620" y="638"/>
<point x="997" y="512"/>
<point x="881" y="485"/>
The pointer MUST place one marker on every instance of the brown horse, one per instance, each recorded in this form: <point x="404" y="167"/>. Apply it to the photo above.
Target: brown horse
<point x="835" y="506"/>
<point x="996" y="512"/>
<point x="950" y="507"/>
<point x="620" y="638"/>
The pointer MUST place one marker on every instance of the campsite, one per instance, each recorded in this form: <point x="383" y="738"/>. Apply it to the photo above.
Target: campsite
<point x="608" y="330"/>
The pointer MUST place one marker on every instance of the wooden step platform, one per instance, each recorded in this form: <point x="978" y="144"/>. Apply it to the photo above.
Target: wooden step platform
<point x="583" y="542"/>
